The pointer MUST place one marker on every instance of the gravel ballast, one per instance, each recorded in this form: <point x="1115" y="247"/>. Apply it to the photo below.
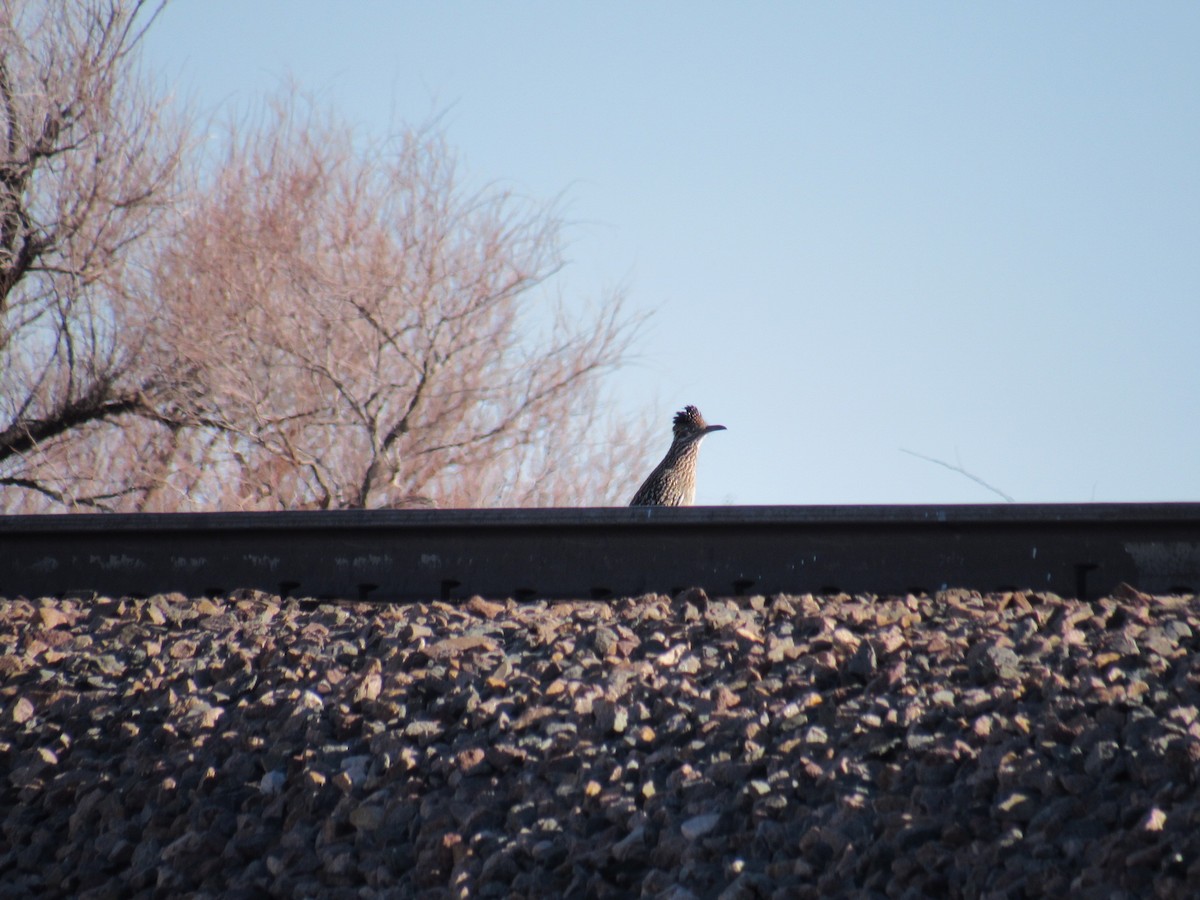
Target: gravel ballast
<point x="995" y="745"/>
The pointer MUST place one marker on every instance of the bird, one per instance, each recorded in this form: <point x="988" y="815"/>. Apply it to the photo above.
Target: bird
<point x="673" y="481"/>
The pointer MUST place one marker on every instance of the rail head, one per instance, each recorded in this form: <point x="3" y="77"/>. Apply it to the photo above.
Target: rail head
<point x="1180" y="513"/>
<point x="410" y="554"/>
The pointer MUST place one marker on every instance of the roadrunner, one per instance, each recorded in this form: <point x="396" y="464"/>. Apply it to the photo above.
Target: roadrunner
<point x="673" y="482"/>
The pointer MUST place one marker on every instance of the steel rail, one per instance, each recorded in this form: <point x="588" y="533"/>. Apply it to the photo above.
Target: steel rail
<point x="1074" y="550"/>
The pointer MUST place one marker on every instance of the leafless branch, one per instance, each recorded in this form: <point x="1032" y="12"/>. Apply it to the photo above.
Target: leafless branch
<point x="960" y="470"/>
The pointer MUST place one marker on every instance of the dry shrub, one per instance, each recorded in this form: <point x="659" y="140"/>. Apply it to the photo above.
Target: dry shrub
<point x="356" y="329"/>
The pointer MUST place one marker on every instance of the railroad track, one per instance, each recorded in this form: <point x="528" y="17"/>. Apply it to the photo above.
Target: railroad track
<point x="1073" y="550"/>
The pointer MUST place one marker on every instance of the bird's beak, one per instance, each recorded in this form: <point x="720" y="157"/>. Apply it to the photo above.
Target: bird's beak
<point x="711" y="428"/>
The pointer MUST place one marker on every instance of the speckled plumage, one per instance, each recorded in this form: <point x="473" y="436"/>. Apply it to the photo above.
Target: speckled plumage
<point x="673" y="481"/>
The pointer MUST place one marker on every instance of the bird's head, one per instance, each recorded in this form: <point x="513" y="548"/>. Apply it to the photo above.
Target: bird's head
<point x="690" y="424"/>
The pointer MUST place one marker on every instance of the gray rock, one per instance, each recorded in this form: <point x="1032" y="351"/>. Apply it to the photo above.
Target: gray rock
<point x="698" y="826"/>
<point x="271" y="784"/>
<point x="988" y="663"/>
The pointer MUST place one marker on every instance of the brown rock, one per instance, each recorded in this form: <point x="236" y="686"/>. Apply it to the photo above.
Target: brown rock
<point x="52" y="617"/>
<point x="22" y="711"/>
<point x="454" y="647"/>
<point x="484" y="608"/>
<point x="367" y="817"/>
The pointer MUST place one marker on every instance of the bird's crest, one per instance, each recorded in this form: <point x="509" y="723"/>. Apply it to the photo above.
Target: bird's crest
<point x="689" y="420"/>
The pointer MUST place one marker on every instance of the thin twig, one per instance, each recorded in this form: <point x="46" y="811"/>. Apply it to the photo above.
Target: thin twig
<point x="960" y="470"/>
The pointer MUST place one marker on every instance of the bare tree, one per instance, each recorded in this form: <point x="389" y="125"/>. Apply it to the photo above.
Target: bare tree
<point x="87" y="161"/>
<point x="367" y="332"/>
<point x="323" y="324"/>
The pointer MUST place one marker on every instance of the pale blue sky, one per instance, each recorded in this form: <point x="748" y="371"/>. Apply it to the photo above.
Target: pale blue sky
<point x="968" y="230"/>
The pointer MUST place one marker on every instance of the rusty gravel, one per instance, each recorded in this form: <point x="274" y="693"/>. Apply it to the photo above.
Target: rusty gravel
<point x="963" y="745"/>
